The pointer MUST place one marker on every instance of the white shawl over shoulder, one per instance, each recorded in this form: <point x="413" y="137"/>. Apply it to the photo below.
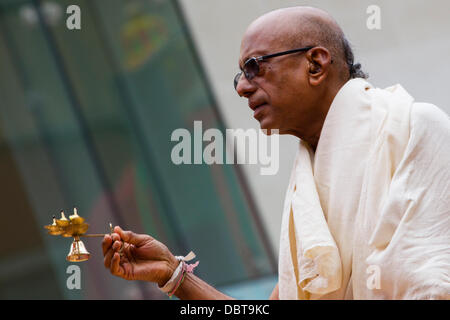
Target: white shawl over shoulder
<point x="368" y="215"/>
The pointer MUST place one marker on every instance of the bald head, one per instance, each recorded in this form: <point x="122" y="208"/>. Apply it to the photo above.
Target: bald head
<point x="292" y="91"/>
<point x="297" y="27"/>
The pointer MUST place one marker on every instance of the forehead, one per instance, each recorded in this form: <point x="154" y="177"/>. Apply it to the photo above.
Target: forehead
<point x="256" y="43"/>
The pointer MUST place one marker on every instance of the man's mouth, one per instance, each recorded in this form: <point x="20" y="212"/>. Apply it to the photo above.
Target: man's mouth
<point x="257" y="110"/>
<point x="255" y="106"/>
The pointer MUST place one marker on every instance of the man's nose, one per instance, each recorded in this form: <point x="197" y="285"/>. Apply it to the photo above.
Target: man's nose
<point x="244" y="87"/>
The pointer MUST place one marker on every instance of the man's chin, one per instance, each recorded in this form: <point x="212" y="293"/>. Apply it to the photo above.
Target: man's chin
<point x="268" y="128"/>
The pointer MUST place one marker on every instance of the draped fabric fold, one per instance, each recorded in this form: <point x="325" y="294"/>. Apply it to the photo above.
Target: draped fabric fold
<point x="316" y="258"/>
<point x="367" y="216"/>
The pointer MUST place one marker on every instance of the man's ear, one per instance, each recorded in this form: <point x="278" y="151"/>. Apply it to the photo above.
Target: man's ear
<point x="319" y="60"/>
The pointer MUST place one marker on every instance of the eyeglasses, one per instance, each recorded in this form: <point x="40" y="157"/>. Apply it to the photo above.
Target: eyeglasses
<point x="251" y="66"/>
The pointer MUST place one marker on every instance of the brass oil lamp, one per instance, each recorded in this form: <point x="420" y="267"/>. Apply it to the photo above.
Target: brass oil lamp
<point x="73" y="227"/>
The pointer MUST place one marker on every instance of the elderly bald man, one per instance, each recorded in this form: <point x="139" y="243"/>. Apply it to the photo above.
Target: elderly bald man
<point x="366" y="214"/>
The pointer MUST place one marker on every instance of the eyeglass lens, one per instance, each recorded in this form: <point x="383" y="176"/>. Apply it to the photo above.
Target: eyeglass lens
<point x="251" y="69"/>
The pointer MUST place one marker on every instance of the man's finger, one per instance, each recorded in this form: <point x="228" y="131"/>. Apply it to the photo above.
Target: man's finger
<point x="117" y="245"/>
<point x="106" y="243"/>
<point x="131" y="237"/>
<point x="115" y="237"/>
<point x="115" y="265"/>
<point x="107" y="259"/>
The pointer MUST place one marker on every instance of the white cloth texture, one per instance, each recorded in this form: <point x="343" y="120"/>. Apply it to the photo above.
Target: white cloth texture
<point x="367" y="216"/>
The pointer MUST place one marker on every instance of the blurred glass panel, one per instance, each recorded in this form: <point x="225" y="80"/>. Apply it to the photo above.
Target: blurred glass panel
<point x="86" y="120"/>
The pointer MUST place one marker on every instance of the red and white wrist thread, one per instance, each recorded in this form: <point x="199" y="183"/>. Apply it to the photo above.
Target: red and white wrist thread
<point x="179" y="274"/>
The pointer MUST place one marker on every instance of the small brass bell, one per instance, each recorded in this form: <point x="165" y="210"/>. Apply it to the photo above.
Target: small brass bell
<point x="76" y="227"/>
<point x="78" y="251"/>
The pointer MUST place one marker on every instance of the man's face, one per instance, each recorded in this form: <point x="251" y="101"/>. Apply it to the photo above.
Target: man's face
<point x="279" y="94"/>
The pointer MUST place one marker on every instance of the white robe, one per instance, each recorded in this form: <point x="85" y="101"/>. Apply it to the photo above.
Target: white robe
<point x="368" y="215"/>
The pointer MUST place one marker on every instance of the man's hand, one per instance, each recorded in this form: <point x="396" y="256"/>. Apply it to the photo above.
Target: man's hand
<point x="142" y="257"/>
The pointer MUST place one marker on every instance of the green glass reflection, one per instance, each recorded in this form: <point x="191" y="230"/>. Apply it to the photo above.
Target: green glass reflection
<point x="88" y="116"/>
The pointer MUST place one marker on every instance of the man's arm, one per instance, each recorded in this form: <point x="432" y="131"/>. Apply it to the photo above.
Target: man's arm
<point x="144" y="258"/>
<point x="274" y="295"/>
<point x="194" y="288"/>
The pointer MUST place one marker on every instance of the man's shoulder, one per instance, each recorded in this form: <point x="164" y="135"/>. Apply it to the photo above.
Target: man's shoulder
<point x="426" y="116"/>
<point x="429" y="132"/>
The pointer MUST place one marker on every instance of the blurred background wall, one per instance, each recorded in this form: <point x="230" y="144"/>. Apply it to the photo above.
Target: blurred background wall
<point x="86" y="117"/>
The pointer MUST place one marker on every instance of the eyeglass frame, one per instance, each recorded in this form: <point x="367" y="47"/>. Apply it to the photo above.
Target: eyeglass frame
<point x="249" y="77"/>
